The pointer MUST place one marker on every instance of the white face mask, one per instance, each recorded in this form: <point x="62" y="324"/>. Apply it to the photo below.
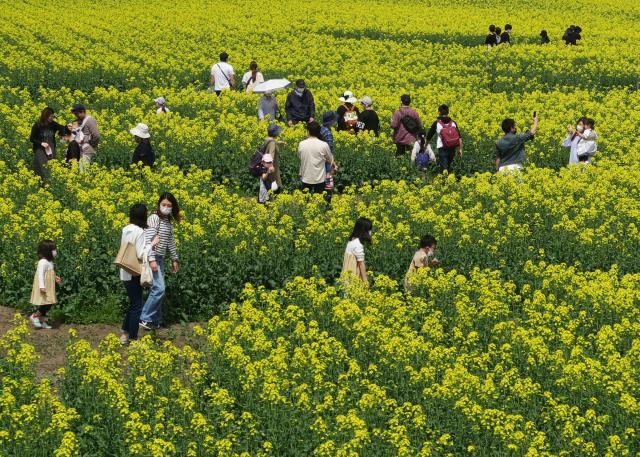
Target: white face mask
<point x="369" y="233"/>
<point x="54" y="253"/>
<point x="580" y="128"/>
<point x="299" y="92"/>
<point x="165" y="210"/>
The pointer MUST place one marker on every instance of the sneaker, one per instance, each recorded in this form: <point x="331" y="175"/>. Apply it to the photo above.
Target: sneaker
<point x="124" y="339"/>
<point x="35" y="321"/>
<point x="148" y="325"/>
<point x="46" y="325"/>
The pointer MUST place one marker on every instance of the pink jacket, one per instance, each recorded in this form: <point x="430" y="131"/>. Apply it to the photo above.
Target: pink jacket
<point x="400" y="134"/>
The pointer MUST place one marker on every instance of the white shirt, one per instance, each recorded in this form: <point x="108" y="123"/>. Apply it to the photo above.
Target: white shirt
<point x="134" y="235"/>
<point x="587" y="144"/>
<point x="222" y="73"/>
<point x="416" y="150"/>
<point x="163" y="110"/>
<point x="43" y="266"/>
<point x="355" y="248"/>
<point x="313" y="154"/>
<point x="573" y="144"/>
<point x="251" y="85"/>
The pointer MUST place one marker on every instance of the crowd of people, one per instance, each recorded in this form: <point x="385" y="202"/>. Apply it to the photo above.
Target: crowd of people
<point x="496" y="36"/>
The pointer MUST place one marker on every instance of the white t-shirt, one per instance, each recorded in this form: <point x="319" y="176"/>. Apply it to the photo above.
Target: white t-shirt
<point x="313" y="154"/>
<point x="355" y="248"/>
<point x="44" y="265"/>
<point x="251" y="85"/>
<point x="222" y="73"/>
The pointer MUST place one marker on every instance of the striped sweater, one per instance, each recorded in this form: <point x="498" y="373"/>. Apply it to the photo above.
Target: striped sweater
<point x="164" y="228"/>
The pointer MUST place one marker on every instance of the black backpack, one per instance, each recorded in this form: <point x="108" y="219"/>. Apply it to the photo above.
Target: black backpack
<point x="410" y="124"/>
<point x="255" y="164"/>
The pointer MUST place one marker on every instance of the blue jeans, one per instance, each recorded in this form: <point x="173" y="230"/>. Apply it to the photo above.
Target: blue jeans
<point x="132" y="318"/>
<point x="152" y="310"/>
<point x="446" y="158"/>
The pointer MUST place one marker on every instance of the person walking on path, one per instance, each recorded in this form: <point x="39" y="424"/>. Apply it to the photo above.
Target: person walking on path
<point x="353" y="261"/>
<point x="43" y="292"/>
<point x="510" y="152"/>
<point x="160" y="223"/>
<point x="505" y="37"/>
<point x="368" y="120"/>
<point x="448" y="140"/>
<point x="314" y="154"/>
<point x="133" y="234"/>
<point x="252" y="78"/>
<point x="491" y="39"/>
<point x="300" y="105"/>
<point x="143" y="152"/>
<point x="90" y="135"/>
<point x="406" y="124"/>
<point x="43" y="139"/>
<point x="222" y="75"/>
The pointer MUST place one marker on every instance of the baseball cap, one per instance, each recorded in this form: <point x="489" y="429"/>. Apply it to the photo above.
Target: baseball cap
<point x="267" y="158"/>
<point x="78" y="107"/>
<point x="366" y="100"/>
<point x="274" y="130"/>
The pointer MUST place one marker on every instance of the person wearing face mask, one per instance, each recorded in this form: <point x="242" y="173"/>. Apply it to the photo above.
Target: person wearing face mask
<point x="353" y="262"/>
<point x="268" y="107"/>
<point x="300" y="105"/>
<point x="423" y="258"/>
<point x="510" y="152"/>
<point x="160" y="224"/>
<point x="43" y="293"/>
<point x="347" y="113"/>
<point x="573" y="140"/>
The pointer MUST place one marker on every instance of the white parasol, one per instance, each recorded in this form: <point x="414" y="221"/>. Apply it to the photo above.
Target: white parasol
<point x="272" y="85"/>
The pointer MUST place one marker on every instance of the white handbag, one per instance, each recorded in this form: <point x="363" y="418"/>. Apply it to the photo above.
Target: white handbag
<point x="146" y="278"/>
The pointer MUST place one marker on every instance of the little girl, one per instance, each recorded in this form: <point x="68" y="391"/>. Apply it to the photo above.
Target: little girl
<point x="43" y="294"/>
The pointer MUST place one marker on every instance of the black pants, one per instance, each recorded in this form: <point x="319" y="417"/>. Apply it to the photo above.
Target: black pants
<point x="73" y="152"/>
<point x="314" y="188"/>
<point x="132" y="318"/>
<point x="402" y="149"/>
<point x="40" y="166"/>
<point x="44" y="309"/>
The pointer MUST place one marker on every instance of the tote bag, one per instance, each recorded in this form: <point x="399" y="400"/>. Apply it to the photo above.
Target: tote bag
<point x="127" y="259"/>
<point x="146" y="278"/>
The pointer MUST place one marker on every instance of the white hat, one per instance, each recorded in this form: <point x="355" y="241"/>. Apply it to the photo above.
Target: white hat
<point x="267" y="158"/>
<point x="366" y="100"/>
<point x="348" y="97"/>
<point x="160" y="100"/>
<point x="141" y="131"/>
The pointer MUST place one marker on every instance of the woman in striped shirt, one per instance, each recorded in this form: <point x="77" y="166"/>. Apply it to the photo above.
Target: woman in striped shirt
<point x="160" y="223"/>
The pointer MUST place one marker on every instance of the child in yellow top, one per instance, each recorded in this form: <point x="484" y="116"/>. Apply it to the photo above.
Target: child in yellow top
<point x="422" y="258"/>
<point x="43" y="293"/>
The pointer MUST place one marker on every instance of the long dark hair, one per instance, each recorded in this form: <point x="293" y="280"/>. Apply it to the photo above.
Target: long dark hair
<point x="253" y="66"/>
<point x="138" y="215"/>
<point x="422" y="140"/>
<point x="362" y="230"/>
<point x="44" y="116"/>
<point x="45" y="250"/>
<point x="175" y="207"/>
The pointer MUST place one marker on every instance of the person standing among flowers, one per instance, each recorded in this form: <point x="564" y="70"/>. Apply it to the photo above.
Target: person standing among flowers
<point x="406" y="124"/>
<point x="161" y="105"/>
<point x="510" y="152"/>
<point x="314" y="154"/>
<point x="353" y="261"/>
<point x="133" y="233"/>
<point x="329" y="119"/>
<point x="143" y="152"/>
<point x="267" y="179"/>
<point x="449" y="140"/>
<point x="587" y="146"/>
<point x="252" y="78"/>
<point x="268" y="107"/>
<point x="572" y="140"/>
<point x="300" y="105"/>
<point x="43" y="292"/>
<point x="43" y="138"/>
<point x="160" y="223"/>
<point x="223" y="76"/>
<point x="88" y="135"/>
<point x="505" y="37"/>
<point x="368" y="120"/>
<point x="423" y="258"/>
<point x="347" y="113"/>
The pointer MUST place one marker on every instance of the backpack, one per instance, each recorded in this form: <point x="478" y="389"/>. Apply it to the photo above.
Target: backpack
<point x="410" y="124"/>
<point x="449" y="135"/>
<point x="255" y="164"/>
<point x="422" y="159"/>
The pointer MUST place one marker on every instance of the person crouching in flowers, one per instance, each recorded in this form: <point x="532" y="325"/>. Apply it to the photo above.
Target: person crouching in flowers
<point x="267" y="179"/>
<point x="160" y="223"/>
<point x="133" y="233"/>
<point x="423" y="258"/>
<point x="354" y="253"/>
<point x="43" y="294"/>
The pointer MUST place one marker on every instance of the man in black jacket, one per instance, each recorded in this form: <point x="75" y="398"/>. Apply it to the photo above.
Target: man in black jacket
<point x="491" y="39"/>
<point x="505" y="38"/>
<point x="300" y="105"/>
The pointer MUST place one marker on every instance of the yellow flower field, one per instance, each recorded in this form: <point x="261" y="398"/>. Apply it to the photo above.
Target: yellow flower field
<point x="525" y="341"/>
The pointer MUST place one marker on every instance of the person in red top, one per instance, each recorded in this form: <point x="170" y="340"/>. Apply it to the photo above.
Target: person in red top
<point x="406" y="124"/>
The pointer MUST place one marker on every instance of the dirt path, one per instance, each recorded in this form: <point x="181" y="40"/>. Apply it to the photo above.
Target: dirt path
<point x="51" y="344"/>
